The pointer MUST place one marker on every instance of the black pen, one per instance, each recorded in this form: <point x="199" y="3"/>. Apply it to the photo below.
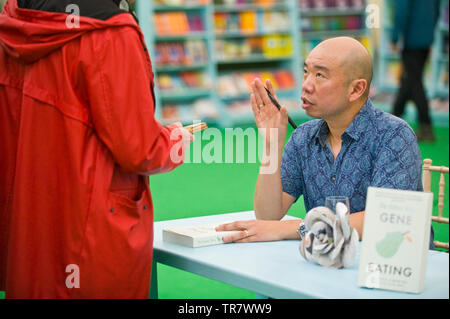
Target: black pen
<point x="279" y="108"/>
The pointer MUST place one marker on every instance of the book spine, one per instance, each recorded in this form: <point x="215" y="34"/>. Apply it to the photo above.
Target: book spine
<point x="426" y="243"/>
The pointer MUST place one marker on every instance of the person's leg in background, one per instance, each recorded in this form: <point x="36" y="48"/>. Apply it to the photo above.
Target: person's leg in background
<point x="425" y="131"/>
<point x="404" y="92"/>
<point x="412" y="88"/>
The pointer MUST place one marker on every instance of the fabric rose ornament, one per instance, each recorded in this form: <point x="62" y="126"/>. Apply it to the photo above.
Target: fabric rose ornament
<point x="329" y="240"/>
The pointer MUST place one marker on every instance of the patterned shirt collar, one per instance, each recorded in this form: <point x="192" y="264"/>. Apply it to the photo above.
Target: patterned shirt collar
<point x="359" y="125"/>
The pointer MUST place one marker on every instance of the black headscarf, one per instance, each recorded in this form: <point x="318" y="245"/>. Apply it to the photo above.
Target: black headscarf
<point x="97" y="9"/>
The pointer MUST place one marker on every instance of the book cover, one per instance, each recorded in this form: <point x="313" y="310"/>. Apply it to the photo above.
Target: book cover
<point x="248" y="21"/>
<point x="195" y="236"/>
<point x="160" y="24"/>
<point x="265" y="75"/>
<point x="395" y="240"/>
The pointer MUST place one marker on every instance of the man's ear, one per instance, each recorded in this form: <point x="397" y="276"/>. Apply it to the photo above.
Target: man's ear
<point x="356" y="89"/>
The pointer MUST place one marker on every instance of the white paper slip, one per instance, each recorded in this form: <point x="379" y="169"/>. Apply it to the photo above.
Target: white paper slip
<point x="195" y="236"/>
<point x="395" y="239"/>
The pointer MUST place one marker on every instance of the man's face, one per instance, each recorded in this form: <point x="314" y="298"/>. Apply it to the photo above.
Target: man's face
<point x="324" y="88"/>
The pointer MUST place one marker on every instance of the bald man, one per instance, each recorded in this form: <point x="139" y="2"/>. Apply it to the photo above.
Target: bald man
<point x="349" y="147"/>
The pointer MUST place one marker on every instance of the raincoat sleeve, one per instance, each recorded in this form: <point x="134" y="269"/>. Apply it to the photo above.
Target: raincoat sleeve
<point x="119" y="81"/>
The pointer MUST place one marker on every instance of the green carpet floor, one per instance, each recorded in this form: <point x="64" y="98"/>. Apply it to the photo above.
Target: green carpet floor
<point x="205" y="189"/>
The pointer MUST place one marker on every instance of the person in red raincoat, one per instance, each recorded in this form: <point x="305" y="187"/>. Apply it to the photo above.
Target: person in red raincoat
<point x="78" y="140"/>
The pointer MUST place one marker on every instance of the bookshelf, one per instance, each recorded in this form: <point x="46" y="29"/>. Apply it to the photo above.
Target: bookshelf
<point x="180" y="41"/>
<point x="256" y="38"/>
<point x="435" y="72"/>
<point x="205" y="53"/>
<point x="241" y="39"/>
<point x="322" y="19"/>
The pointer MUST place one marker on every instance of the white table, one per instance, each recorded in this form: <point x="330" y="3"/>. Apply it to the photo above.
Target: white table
<point x="277" y="270"/>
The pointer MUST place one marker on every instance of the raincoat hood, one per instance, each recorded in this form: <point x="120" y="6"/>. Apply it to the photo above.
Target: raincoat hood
<point x="30" y="35"/>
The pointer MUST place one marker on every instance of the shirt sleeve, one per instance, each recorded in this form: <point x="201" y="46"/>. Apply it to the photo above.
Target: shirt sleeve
<point x="119" y="82"/>
<point x="291" y="174"/>
<point x="398" y="164"/>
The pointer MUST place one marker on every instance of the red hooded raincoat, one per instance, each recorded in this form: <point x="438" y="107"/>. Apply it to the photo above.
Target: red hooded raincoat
<point x="77" y="139"/>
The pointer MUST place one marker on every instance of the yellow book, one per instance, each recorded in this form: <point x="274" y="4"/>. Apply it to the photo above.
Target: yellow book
<point x="248" y="21"/>
<point x="365" y="41"/>
<point x="272" y="45"/>
<point x="286" y="45"/>
<point x="269" y="75"/>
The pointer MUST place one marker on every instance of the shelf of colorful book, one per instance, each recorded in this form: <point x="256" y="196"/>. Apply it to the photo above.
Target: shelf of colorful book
<point x="239" y="34"/>
<point x="250" y="7"/>
<point x="329" y="17"/>
<point x="236" y="86"/>
<point x="254" y="48"/>
<point x="180" y="53"/>
<point x="271" y="21"/>
<point x="250" y="23"/>
<point x="250" y="38"/>
<point x="322" y="19"/>
<point x="252" y="59"/>
<point x="331" y="12"/>
<point x="333" y="33"/>
<point x="190" y="112"/>
<point x="179" y="68"/>
<point x="331" y="5"/>
<point x="172" y="23"/>
<point x="185" y="94"/>
<point x="178" y="35"/>
<point x="241" y="112"/>
<point x="187" y="36"/>
<point x="241" y="96"/>
<point x="186" y="7"/>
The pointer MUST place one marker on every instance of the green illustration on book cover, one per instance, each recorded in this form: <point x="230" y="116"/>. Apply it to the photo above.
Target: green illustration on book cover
<point x="390" y="244"/>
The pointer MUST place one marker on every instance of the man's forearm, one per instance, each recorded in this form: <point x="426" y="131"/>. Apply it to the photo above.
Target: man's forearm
<point x="268" y="191"/>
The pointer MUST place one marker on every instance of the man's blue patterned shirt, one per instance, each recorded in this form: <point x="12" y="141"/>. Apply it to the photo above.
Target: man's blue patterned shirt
<point x="378" y="149"/>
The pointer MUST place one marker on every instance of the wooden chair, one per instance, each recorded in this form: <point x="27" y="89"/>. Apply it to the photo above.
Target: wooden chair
<point x="426" y="182"/>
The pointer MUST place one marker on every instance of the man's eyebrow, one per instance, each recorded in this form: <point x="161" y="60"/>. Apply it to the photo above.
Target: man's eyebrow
<point x="317" y="66"/>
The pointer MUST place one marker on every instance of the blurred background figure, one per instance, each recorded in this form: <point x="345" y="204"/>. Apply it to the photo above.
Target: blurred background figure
<point x="413" y="26"/>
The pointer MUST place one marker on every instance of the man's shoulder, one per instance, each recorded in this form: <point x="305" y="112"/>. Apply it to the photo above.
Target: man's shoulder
<point x="387" y="124"/>
<point x="303" y="135"/>
<point x="308" y="129"/>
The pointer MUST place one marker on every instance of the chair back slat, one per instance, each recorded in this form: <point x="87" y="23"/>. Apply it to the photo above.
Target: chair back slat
<point x="441" y="194"/>
<point x="426" y="183"/>
<point x="426" y="175"/>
